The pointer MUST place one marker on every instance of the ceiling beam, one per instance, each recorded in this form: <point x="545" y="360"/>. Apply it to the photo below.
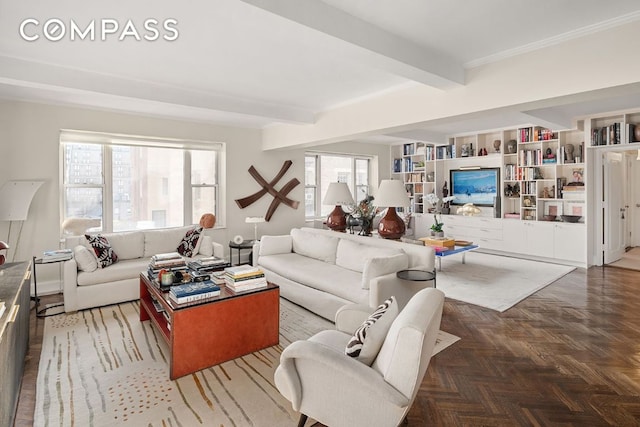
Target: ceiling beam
<point x="370" y="44"/>
<point x="30" y="74"/>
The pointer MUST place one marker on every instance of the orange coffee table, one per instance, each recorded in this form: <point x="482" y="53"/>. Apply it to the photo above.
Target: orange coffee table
<point x="208" y="332"/>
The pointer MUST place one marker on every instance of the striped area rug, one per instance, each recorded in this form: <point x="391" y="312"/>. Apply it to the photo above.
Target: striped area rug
<point x="103" y="367"/>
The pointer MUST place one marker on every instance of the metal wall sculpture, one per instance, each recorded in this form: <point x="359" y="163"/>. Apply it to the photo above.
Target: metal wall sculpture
<point x="269" y="187"/>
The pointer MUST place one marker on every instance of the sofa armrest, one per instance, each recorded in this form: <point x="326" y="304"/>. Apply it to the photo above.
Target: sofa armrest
<point x="389" y="285"/>
<point x="218" y="250"/>
<point x="351" y="316"/>
<point x="70" y="285"/>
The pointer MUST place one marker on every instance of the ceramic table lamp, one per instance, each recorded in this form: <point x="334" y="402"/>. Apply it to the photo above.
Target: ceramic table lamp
<point x="391" y="194"/>
<point x="337" y="194"/>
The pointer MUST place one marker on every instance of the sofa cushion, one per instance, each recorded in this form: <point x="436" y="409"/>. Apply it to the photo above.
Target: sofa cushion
<point x="85" y="259"/>
<point x="314" y="245"/>
<point x="379" y="266"/>
<point x="163" y="240"/>
<point x="123" y="270"/>
<point x="103" y="250"/>
<point x="353" y="255"/>
<point x="369" y="337"/>
<point x="189" y="242"/>
<point x="318" y="275"/>
<point x="127" y="244"/>
<point x="206" y="246"/>
<point x="272" y="245"/>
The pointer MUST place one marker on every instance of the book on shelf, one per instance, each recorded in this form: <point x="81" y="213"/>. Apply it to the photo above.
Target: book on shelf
<point x="194" y="288"/>
<point x="193" y="298"/>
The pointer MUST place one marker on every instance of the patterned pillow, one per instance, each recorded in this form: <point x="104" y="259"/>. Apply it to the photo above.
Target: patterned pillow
<point x="103" y="250"/>
<point x="189" y="243"/>
<point x="369" y="337"/>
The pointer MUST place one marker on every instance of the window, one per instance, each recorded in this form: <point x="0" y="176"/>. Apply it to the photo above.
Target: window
<point x="132" y="183"/>
<point x="322" y="169"/>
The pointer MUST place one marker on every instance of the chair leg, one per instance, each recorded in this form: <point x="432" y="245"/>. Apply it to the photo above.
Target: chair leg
<point x="302" y="420"/>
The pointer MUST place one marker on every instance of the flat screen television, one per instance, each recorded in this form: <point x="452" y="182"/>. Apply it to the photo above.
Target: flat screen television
<point x="477" y="186"/>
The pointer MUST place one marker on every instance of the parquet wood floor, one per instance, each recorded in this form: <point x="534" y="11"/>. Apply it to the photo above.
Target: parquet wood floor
<point x="568" y="355"/>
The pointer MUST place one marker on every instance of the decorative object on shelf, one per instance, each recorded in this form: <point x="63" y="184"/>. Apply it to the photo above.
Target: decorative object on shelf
<point x="571" y="218"/>
<point x="238" y="239"/>
<point x="440" y="206"/>
<point x="578" y="176"/>
<point x="512" y="146"/>
<point x="207" y="220"/>
<point x="526" y="202"/>
<point x="436" y="227"/>
<point x="568" y="152"/>
<point x="338" y="194"/>
<point x="464" y="150"/>
<point x="255" y="220"/>
<point x="468" y="209"/>
<point x="546" y="194"/>
<point x="483" y="152"/>
<point x="446" y="199"/>
<point x="362" y="216"/>
<point x="392" y="194"/>
<point x="431" y="176"/>
<point x="636" y="134"/>
<point x="3" y="246"/>
<point x="269" y="187"/>
<point x="496" y="145"/>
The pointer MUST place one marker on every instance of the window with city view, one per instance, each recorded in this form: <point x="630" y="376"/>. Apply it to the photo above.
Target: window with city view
<point x="133" y="187"/>
<point x="322" y="169"/>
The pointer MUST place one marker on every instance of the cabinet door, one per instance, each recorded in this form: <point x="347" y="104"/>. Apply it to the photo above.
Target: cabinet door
<point x="513" y="232"/>
<point x="539" y="238"/>
<point x="570" y="242"/>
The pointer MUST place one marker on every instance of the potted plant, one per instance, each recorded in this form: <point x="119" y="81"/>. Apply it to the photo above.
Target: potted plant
<point x="436" y="227"/>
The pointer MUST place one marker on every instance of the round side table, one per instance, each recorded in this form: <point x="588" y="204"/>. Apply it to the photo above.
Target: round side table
<point x="246" y="244"/>
<point x="417" y="275"/>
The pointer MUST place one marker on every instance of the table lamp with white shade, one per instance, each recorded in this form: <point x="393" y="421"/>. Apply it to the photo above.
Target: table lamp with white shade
<point x="338" y="194"/>
<point x="391" y="194"/>
<point x="255" y="220"/>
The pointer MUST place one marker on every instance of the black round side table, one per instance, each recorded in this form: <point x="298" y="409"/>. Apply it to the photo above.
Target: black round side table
<point x="417" y="275"/>
<point x="246" y="244"/>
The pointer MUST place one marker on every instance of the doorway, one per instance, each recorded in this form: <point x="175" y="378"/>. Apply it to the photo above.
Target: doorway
<point x="618" y="216"/>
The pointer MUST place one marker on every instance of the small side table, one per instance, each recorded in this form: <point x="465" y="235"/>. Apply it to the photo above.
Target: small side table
<point x="417" y="275"/>
<point x="246" y="244"/>
<point x="43" y="312"/>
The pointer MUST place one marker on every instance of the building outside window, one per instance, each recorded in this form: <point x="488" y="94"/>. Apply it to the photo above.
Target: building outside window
<point x="322" y="169"/>
<point x="139" y="186"/>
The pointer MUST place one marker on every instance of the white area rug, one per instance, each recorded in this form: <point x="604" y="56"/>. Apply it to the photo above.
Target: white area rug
<point x="103" y="367"/>
<point x="493" y="281"/>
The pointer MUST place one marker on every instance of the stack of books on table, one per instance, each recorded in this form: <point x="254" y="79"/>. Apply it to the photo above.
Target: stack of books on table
<point x="167" y="261"/>
<point x="57" y="255"/>
<point x="195" y="291"/>
<point x="244" y="277"/>
<point x="208" y="264"/>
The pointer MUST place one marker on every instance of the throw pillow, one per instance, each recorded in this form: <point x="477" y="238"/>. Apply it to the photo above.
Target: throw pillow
<point x="189" y="243"/>
<point x="273" y="245"/>
<point x="369" y="337"/>
<point x="85" y="259"/>
<point x="206" y="246"/>
<point x="103" y="250"/>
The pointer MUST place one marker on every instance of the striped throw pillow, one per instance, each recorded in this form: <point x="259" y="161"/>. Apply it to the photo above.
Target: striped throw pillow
<point x="367" y="340"/>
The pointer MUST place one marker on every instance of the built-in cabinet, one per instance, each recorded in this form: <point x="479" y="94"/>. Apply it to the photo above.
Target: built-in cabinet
<point x="15" y="281"/>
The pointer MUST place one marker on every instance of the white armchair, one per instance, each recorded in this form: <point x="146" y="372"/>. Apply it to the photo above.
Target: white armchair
<point x="322" y="382"/>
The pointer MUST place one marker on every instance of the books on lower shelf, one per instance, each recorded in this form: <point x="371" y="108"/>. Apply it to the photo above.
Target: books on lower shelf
<point x="190" y="292"/>
<point x="57" y="255"/>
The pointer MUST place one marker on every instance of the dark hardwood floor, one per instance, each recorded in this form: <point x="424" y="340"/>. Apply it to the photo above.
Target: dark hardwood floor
<point x="567" y="355"/>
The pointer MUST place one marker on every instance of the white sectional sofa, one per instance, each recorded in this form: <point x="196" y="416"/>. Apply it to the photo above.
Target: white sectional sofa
<point x="85" y="286"/>
<point x="323" y="270"/>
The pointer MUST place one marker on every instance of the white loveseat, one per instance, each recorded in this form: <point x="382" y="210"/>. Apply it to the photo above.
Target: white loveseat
<point x="120" y="282"/>
<point x="323" y="270"/>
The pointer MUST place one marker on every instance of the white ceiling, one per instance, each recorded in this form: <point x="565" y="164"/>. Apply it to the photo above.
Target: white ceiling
<point x="258" y="62"/>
